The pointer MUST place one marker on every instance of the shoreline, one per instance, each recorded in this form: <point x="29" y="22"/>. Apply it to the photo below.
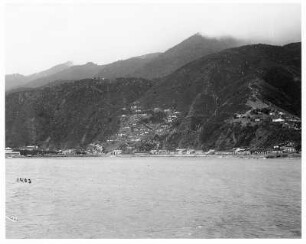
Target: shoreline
<point x="271" y="156"/>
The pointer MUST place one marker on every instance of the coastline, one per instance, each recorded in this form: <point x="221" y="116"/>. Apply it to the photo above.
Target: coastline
<point x="229" y="156"/>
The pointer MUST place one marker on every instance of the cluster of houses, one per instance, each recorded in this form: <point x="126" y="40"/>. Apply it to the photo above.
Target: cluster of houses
<point x="9" y="153"/>
<point x="136" y="124"/>
<point x="278" y="149"/>
<point x="278" y="117"/>
<point x="96" y="149"/>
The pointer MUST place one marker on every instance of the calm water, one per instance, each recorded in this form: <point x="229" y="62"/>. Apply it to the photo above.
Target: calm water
<point x="154" y="198"/>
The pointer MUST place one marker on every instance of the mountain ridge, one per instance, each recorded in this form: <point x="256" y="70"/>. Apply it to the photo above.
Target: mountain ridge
<point x="220" y="101"/>
<point x="149" y="66"/>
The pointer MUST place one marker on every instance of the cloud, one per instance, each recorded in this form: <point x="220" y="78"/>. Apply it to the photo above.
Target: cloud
<point x="38" y="36"/>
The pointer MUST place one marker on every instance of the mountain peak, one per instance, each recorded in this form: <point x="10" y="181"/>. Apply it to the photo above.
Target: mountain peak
<point x="91" y="63"/>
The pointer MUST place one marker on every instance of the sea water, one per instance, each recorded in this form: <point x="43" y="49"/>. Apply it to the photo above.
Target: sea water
<point x="153" y="197"/>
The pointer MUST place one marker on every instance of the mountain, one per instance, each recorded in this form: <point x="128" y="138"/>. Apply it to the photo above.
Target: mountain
<point x="190" y="49"/>
<point x="249" y="81"/>
<point x="16" y="80"/>
<point x="75" y="72"/>
<point x="149" y="66"/>
<point x="125" y="68"/>
<point x="70" y="114"/>
<point x="53" y="70"/>
<point x="248" y="96"/>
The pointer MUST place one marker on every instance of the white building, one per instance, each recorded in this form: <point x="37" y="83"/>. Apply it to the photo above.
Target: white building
<point x="10" y="153"/>
<point x="279" y="120"/>
<point x="117" y="152"/>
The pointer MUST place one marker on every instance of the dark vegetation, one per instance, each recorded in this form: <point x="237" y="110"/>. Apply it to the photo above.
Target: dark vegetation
<point x="208" y="92"/>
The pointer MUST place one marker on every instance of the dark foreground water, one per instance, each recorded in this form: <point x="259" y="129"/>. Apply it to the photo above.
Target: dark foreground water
<point x="154" y="198"/>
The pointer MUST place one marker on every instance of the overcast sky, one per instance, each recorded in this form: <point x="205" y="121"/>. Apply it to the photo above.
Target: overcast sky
<point x="40" y="36"/>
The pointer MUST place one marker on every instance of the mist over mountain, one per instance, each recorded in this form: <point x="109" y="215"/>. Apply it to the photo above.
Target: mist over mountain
<point x="148" y="66"/>
<point x="190" y="49"/>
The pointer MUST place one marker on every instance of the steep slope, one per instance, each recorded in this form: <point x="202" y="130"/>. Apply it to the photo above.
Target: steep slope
<point x="71" y="114"/>
<point x="211" y="90"/>
<point x="190" y="49"/>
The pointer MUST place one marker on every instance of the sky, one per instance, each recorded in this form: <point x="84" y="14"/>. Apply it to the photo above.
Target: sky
<point x="39" y="36"/>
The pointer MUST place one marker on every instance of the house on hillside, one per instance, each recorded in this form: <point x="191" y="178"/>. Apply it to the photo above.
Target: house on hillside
<point x="31" y="147"/>
<point x="278" y="120"/>
<point x="288" y="149"/>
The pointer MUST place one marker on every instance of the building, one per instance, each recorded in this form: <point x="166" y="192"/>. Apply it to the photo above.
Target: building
<point x="181" y="151"/>
<point x="199" y="152"/>
<point x="242" y="151"/>
<point x="154" y="152"/>
<point x="163" y="152"/>
<point x="288" y="149"/>
<point x="116" y="152"/>
<point x="30" y="148"/>
<point x="69" y="152"/>
<point x="210" y="152"/>
<point x="9" y="153"/>
<point x="190" y="151"/>
<point x="279" y="120"/>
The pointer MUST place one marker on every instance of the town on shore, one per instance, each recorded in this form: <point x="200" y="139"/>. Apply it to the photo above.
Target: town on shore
<point x="35" y="151"/>
<point x="139" y="127"/>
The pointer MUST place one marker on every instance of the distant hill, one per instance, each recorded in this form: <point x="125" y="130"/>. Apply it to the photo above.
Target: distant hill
<point x="125" y="68"/>
<point x="154" y="65"/>
<point x="75" y="72"/>
<point x="16" y="80"/>
<point x="248" y="96"/>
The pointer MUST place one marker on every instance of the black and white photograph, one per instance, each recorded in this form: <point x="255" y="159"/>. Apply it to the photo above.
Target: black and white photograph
<point x="152" y="120"/>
